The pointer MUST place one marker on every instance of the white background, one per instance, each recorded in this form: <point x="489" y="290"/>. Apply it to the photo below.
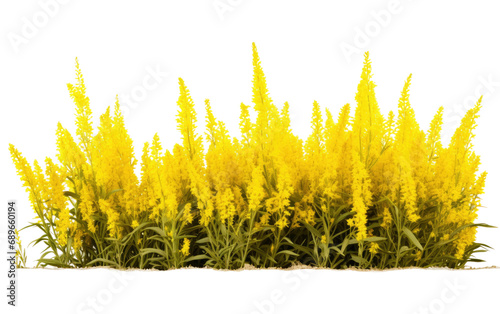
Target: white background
<point x="451" y="47"/>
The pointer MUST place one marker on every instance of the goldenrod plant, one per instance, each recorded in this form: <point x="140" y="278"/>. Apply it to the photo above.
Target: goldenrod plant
<point x="21" y="257"/>
<point x="363" y="190"/>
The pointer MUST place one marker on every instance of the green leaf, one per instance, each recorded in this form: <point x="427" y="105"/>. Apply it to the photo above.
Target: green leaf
<point x="312" y="229"/>
<point x="344" y="245"/>
<point x="196" y="257"/>
<point x="154" y="251"/>
<point x="126" y="238"/>
<point x="374" y="239"/>
<point x="470" y="225"/>
<point x="71" y="194"/>
<point x="112" y="192"/>
<point x="352" y="241"/>
<point x="203" y="240"/>
<point x="288" y="252"/>
<point x="412" y="238"/>
<point x="337" y="250"/>
<point x="161" y="232"/>
<point x="359" y="259"/>
<point x="404" y="249"/>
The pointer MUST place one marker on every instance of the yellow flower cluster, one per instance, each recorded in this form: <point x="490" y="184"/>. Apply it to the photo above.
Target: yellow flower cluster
<point x="360" y="176"/>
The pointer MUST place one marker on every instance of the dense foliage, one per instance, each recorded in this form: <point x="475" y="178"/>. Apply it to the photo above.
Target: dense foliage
<point x="363" y="190"/>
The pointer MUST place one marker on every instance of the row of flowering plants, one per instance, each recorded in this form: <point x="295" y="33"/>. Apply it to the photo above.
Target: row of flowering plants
<point x="363" y="190"/>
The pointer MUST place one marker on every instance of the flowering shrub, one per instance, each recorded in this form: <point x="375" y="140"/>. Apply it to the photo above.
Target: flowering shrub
<point x="362" y="190"/>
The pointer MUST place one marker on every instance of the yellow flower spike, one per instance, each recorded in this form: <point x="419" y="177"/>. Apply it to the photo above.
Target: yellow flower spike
<point x="434" y="145"/>
<point x="83" y="113"/>
<point x="461" y="140"/>
<point x="68" y="152"/>
<point x="56" y="177"/>
<point x="211" y="124"/>
<point x="368" y="121"/>
<point x="256" y="189"/>
<point x="406" y="123"/>
<point x="338" y="147"/>
<point x="28" y="178"/>
<point x="185" y="247"/>
<point x="261" y="99"/>
<point x="245" y="124"/>
<point x="281" y="196"/>
<point x="77" y="240"/>
<point x="387" y="218"/>
<point x="112" y="216"/>
<point x="87" y="207"/>
<point x="285" y="116"/>
<point x="329" y="123"/>
<point x="405" y="138"/>
<point x="315" y="154"/>
<point x="186" y="123"/>
<point x="362" y="197"/>
<point x="374" y="247"/>
<point x="323" y="239"/>
<point x="267" y="113"/>
<point x="224" y="202"/>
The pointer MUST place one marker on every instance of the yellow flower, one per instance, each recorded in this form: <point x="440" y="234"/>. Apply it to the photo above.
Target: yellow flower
<point x="87" y="206"/>
<point x="381" y="169"/>
<point x="112" y="215"/>
<point x="188" y="215"/>
<point x="58" y="202"/>
<point x="374" y="247"/>
<point x="323" y="239"/>
<point x="387" y="218"/>
<point x="83" y="113"/>
<point x="185" y="247"/>
<point x="245" y="124"/>
<point x="419" y="256"/>
<point x="186" y="120"/>
<point x="282" y="223"/>
<point x="225" y="205"/>
<point x="255" y="189"/>
<point x="77" y="239"/>
<point x="361" y="198"/>
<point x="368" y="122"/>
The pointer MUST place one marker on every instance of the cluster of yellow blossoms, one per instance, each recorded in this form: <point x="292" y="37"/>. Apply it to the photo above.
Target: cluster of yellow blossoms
<point x="356" y="179"/>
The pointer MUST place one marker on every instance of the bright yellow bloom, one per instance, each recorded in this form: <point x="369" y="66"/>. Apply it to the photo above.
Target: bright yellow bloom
<point x="186" y="121"/>
<point x="368" y="121"/>
<point x="374" y="247"/>
<point x="185" y="247"/>
<point x="323" y="239"/>
<point x="376" y="170"/>
<point x="387" y="218"/>
<point x="83" y="113"/>
<point x="57" y="201"/>
<point x="112" y="215"/>
<point x="362" y="198"/>
<point x="256" y="190"/>
<point x="87" y="207"/>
